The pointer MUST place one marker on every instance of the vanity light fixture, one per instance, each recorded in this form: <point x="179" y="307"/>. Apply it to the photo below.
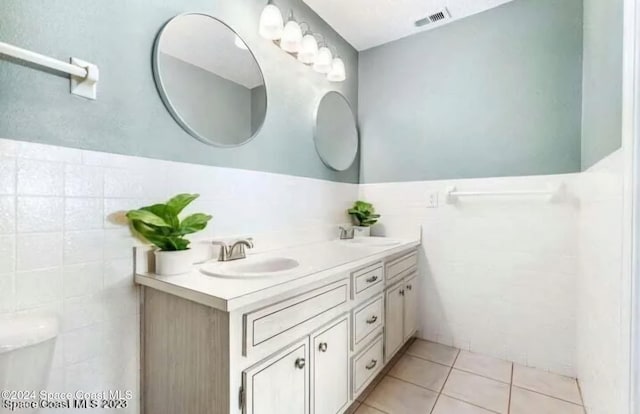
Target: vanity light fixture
<point x="337" y="72"/>
<point x="291" y="36"/>
<point x="324" y="60"/>
<point x="302" y="44"/>
<point x="271" y="23"/>
<point x="308" y="48"/>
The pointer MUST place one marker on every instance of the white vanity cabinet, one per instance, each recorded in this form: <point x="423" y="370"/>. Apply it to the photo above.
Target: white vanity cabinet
<point x="311" y="349"/>
<point x="330" y="368"/>
<point x="279" y="384"/>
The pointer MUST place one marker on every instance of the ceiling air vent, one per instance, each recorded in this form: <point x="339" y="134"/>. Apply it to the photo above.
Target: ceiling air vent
<point x="434" y="18"/>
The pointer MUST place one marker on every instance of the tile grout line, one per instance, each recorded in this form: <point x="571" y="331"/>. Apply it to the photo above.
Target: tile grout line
<point x="510" y="388"/>
<point x="547" y="395"/>
<point x="445" y="382"/>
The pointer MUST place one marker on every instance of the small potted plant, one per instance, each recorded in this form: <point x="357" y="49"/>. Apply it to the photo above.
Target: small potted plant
<point x="160" y="225"/>
<point x="364" y="216"/>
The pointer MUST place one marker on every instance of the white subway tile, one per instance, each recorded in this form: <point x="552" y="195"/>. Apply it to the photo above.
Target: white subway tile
<point x="39" y="214"/>
<point x="83" y="279"/>
<point x="83" y="181"/>
<point x="82" y="311"/>
<point x="38" y="251"/>
<point x="7" y="175"/>
<point x="40" y="178"/>
<point x="118" y="273"/>
<point x="83" y="246"/>
<point x="44" y="152"/>
<point x="83" y="344"/>
<point x="7" y="214"/>
<point x="118" y="244"/>
<point x="8" y="147"/>
<point x="38" y="287"/>
<point x="7" y="254"/>
<point x="83" y="214"/>
<point x="7" y="294"/>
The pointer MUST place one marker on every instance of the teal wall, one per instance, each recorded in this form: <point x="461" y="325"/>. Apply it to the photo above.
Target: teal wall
<point x="495" y="94"/>
<point x="602" y="83"/>
<point x="129" y="116"/>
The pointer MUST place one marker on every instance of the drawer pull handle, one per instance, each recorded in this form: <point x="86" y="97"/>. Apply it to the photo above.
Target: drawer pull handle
<point x="371" y="365"/>
<point x="372" y="319"/>
<point x="323" y="347"/>
<point x="372" y="279"/>
<point x="300" y="363"/>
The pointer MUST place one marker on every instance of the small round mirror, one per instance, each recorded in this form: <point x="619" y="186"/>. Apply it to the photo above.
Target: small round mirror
<point x="209" y="80"/>
<point x="336" y="135"/>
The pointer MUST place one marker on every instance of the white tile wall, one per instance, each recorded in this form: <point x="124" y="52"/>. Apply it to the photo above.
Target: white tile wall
<point x="517" y="278"/>
<point x="65" y="246"/>
<point x="500" y="273"/>
<point x="600" y="347"/>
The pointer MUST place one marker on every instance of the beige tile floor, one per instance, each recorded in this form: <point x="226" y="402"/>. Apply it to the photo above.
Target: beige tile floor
<point x="429" y="378"/>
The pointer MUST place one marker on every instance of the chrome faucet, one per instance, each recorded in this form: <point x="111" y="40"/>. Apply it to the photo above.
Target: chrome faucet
<point x="235" y="251"/>
<point x="346" y="234"/>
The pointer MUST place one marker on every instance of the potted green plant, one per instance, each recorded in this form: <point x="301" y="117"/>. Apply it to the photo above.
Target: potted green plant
<point x="363" y="216"/>
<point x="160" y="225"/>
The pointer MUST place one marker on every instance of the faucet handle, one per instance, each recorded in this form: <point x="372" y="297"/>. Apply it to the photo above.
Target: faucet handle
<point x="346" y="233"/>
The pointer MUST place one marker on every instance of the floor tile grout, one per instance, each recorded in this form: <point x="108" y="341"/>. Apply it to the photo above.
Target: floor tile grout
<point x="510" y="388"/>
<point x="547" y="395"/>
<point x="451" y="367"/>
<point x="445" y="382"/>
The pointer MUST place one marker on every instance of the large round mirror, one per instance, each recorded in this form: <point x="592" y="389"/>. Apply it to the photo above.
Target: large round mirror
<point x="209" y="80"/>
<point x="336" y="135"/>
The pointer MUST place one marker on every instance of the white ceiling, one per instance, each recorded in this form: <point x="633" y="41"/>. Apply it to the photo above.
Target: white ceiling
<point x="369" y="23"/>
<point x="209" y="44"/>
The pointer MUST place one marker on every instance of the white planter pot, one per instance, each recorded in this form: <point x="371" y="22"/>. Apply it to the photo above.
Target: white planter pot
<point x="361" y="231"/>
<point x="173" y="263"/>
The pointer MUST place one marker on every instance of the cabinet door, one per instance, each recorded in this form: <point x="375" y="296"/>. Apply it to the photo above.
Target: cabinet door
<point x="394" y="316"/>
<point x="410" y="306"/>
<point x="279" y="384"/>
<point x="330" y="368"/>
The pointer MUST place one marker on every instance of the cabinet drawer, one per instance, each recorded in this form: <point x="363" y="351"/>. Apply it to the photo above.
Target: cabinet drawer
<point x="368" y="281"/>
<point x="367" y="319"/>
<point x="401" y="266"/>
<point x="366" y="365"/>
<point x="267" y="324"/>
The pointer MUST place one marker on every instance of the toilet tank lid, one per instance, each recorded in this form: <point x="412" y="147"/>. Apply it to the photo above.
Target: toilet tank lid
<point x="19" y="331"/>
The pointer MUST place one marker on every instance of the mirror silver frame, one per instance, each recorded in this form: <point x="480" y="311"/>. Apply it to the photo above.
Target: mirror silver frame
<point x="315" y="131"/>
<point x="157" y="76"/>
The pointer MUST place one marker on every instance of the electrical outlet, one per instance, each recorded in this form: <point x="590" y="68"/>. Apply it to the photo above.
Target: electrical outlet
<point x="432" y="200"/>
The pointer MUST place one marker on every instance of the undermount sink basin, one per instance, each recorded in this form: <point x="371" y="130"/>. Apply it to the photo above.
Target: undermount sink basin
<point x="250" y="267"/>
<point x="372" y="241"/>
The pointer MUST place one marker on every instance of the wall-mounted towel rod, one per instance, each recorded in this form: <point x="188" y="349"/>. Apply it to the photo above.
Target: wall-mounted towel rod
<point x="84" y="75"/>
<point x="554" y="193"/>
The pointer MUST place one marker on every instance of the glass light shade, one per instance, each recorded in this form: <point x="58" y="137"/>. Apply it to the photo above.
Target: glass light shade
<point x="308" y="49"/>
<point x="324" y="60"/>
<point x="271" y="23"/>
<point x="240" y="44"/>
<point x="291" y="37"/>
<point x="337" y="72"/>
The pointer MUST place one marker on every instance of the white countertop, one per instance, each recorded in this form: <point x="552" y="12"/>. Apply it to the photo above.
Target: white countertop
<point x="317" y="261"/>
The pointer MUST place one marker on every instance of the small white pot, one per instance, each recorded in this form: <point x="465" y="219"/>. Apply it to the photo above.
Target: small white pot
<point x="173" y="263"/>
<point x="361" y="231"/>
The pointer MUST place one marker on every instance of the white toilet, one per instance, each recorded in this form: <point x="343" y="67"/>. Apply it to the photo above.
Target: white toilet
<point x="27" y="343"/>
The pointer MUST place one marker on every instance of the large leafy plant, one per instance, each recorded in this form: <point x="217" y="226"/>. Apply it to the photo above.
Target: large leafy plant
<point x="160" y="225"/>
<point x="363" y="214"/>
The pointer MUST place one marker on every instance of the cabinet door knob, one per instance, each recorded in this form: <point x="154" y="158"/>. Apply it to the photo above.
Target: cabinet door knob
<point x="401" y="292"/>
<point x="409" y="287"/>
<point x="323" y="347"/>
<point x="300" y="363"/>
<point x="371" y="279"/>
<point x="372" y="319"/>
<point x="371" y="365"/>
